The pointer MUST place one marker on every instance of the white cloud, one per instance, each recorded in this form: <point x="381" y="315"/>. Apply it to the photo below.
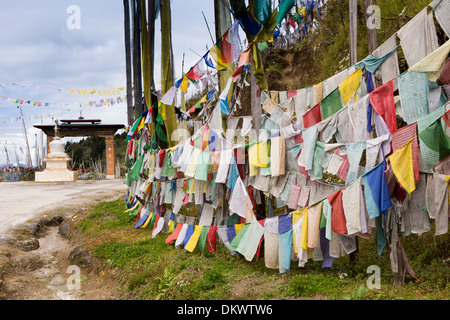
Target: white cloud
<point x="38" y="48"/>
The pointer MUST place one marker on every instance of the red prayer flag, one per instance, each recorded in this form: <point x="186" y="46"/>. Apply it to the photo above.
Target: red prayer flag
<point x="211" y="239"/>
<point x="195" y="73"/>
<point x="171" y="239"/>
<point x="312" y="116"/>
<point x="382" y="100"/>
<point x="292" y="93"/>
<point x="446" y="117"/>
<point x="338" y="221"/>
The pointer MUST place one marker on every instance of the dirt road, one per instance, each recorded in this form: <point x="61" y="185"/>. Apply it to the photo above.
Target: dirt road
<point x="22" y="201"/>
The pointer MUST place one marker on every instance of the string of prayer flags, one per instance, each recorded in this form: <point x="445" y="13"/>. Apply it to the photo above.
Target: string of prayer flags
<point x="402" y="166"/>
<point x="102" y="92"/>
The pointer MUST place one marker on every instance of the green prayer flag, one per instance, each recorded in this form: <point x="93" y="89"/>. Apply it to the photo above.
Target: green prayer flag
<point x="168" y="170"/>
<point x="266" y="33"/>
<point x="436" y="139"/>
<point x="203" y="238"/>
<point x="136" y="168"/>
<point x="283" y="8"/>
<point x="237" y="239"/>
<point x="250" y="240"/>
<point x="203" y="166"/>
<point x="262" y="10"/>
<point x="331" y="104"/>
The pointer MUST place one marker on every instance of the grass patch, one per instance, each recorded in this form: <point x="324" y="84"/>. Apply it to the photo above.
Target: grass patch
<point x="147" y="268"/>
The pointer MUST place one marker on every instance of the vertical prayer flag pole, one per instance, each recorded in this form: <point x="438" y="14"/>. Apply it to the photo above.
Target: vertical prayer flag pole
<point x="126" y="7"/>
<point x="371" y="31"/>
<point x="353" y="5"/>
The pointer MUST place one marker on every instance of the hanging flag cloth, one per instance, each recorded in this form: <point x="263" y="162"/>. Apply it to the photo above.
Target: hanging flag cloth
<point x="372" y="63"/>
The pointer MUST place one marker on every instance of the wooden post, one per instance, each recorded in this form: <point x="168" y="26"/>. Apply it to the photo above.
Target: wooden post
<point x="130" y="116"/>
<point x="353" y="35"/>
<point x="353" y="6"/>
<point x="371" y="32"/>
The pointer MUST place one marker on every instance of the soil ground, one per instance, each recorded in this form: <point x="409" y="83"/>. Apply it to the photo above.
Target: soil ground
<point x="45" y="273"/>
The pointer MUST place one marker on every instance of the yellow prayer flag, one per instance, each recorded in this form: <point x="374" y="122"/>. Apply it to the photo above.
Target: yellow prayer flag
<point x="238" y="227"/>
<point x="217" y="56"/>
<point x="150" y="216"/>
<point x="184" y="84"/>
<point x="350" y="85"/>
<point x="302" y="11"/>
<point x="304" y="234"/>
<point x="296" y="215"/>
<point x="171" y="225"/>
<point x="402" y="166"/>
<point x="141" y="124"/>
<point x="253" y="170"/>
<point x="193" y="240"/>
<point x="318" y="93"/>
<point x="258" y="154"/>
<point x="447" y="181"/>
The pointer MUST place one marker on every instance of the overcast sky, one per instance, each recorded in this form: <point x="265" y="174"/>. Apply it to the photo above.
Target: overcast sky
<point x="37" y="47"/>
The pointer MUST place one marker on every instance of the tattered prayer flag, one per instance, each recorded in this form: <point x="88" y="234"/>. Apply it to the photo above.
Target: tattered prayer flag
<point x="350" y="86"/>
<point x="312" y="116"/>
<point x="402" y="166"/>
<point x="382" y="100"/>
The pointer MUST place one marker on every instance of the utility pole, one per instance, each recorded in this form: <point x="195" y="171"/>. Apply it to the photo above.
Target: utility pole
<point x="353" y="6"/>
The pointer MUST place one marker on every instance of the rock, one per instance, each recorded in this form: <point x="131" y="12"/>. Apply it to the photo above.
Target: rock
<point x="64" y="229"/>
<point x="35" y="228"/>
<point x="81" y="257"/>
<point x="54" y="221"/>
<point x="27" y="245"/>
